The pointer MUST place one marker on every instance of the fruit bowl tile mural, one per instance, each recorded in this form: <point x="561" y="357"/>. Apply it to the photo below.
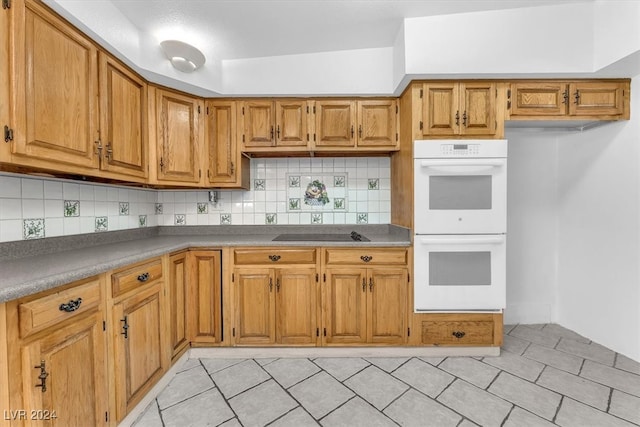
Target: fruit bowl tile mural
<point x="317" y="192"/>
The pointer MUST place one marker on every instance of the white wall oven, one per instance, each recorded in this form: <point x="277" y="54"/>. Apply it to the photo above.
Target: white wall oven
<point x="460" y="225"/>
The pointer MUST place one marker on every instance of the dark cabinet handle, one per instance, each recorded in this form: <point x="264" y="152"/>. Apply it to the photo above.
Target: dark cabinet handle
<point x="274" y="258"/>
<point x="352" y="131"/>
<point x="458" y="334"/>
<point x="70" y="306"/>
<point x="457" y="117"/>
<point x="577" y="97"/>
<point x="364" y="284"/>
<point x="565" y="97"/>
<point x="370" y="284"/>
<point x="43" y="375"/>
<point x="464" y="118"/>
<point x="270" y="284"/>
<point x="278" y="131"/>
<point x="271" y="132"/>
<point x="278" y="285"/>
<point x="125" y="327"/>
<point x="366" y="258"/>
<point x="143" y="277"/>
<point x="360" y="131"/>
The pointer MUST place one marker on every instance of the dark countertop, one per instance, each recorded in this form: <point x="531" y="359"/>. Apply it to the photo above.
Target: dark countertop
<point x="33" y="266"/>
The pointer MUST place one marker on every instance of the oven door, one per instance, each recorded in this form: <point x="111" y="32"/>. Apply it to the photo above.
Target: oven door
<point x="460" y="196"/>
<point x="461" y="272"/>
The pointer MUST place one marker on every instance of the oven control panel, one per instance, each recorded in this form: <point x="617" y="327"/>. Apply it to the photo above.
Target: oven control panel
<point x="455" y="150"/>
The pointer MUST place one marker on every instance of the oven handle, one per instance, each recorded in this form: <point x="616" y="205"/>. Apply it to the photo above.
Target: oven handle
<point x="466" y="240"/>
<point x="473" y="164"/>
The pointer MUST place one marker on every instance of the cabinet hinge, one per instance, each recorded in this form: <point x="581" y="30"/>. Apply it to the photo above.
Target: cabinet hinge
<point x="242" y="137"/>
<point x="6" y="4"/>
<point x="408" y="332"/>
<point x="8" y="134"/>
<point x="233" y="331"/>
<point x="421" y="92"/>
<point x="233" y="277"/>
<point x="324" y="277"/>
<point x="396" y="109"/>
<point x="243" y="111"/>
<point x="307" y="109"/>
<point x="324" y="331"/>
<point x="104" y="325"/>
<point x="421" y="125"/>
<point x="307" y="137"/>
<point x="408" y="277"/>
<point x="317" y="332"/>
<point x="199" y="173"/>
<point x="396" y="136"/>
<point x="317" y="278"/>
<point x="314" y="109"/>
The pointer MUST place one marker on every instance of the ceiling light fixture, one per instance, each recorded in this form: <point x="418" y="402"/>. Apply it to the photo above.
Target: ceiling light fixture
<point x="183" y="56"/>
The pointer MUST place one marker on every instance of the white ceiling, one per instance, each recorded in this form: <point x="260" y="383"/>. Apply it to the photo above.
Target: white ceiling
<point x="259" y="28"/>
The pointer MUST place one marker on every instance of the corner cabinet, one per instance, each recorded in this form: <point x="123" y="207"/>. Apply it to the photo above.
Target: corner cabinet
<point x="227" y="167"/>
<point x="458" y="109"/>
<point x="596" y="100"/>
<point x="179" y="138"/>
<point x="178" y="297"/>
<point x="276" y="293"/>
<point x="57" y="356"/>
<point x="204" y="293"/>
<point x="365" y="296"/>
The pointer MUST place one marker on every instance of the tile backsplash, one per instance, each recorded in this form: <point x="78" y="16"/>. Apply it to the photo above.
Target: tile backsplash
<point x="283" y="191"/>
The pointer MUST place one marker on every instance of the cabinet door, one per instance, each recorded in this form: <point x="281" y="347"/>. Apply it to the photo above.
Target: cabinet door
<point x="255" y="308"/>
<point x="296" y="306"/>
<point x="178" y="137"/>
<point x="123" y="119"/>
<point x="377" y="123"/>
<point x="387" y="307"/>
<point x="335" y="123"/>
<point x="441" y="114"/>
<point x="178" y="304"/>
<point x="291" y="123"/>
<point x="205" y="305"/>
<point x="258" y="125"/>
<point x="346" y="306"/>
<point x="137" y="328"/>
<point x="73" y="360"/>
<point x="539" y="99"/>
<point x="596" y="99"/>
<point x="478" y="116"/>
<point x="54" y="93"/>
<point x="221" y="142"/>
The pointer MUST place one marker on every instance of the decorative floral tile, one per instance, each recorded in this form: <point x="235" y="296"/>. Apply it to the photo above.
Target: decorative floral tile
<point x="159" y="208"/>
<point x="362" y="218"/>
<point x="338" y="204"/>
<point x="33" y="228"/>
<point x="294" y="204"/>
<point x="374" y="184"/>
<point x="258" y="184"/>
<point x="71" y="208"/>
<point x="142" y="220"/>
<point x="102" y="223"/>
<point x="180" y="219"/>
<point x="294" y="181"/>
<point x="316" y="218"/>
<point x="124" y="208"/>
<point x="270" y="219"/>
<point x="225" y="219"/>
<point x="203" y="208"/>
<point x="316" y="192"/>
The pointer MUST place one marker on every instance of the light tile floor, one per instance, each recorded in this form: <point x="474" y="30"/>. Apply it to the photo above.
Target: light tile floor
<point x="546" y="375"/>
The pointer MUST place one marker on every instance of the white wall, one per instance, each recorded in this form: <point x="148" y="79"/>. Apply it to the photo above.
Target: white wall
<point x="599" y="234"/>
<point x="531" y="227"/>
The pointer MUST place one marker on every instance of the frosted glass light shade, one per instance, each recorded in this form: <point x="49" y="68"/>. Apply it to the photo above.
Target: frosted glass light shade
<point x="183" y="56"/>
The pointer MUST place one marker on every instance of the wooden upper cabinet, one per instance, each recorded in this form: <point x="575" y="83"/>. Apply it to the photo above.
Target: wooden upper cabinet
<point x="227" y="167"/>
<point x="123" y="119"/>
<point x="606" y="100"/>
<point x="280" y="123"/>
<point x="453" y="108"/>
<point x="54" y="89"/>
<point x="377" y="123"/>
<point x="179" y="137"/>
<point x="335" y="123"/>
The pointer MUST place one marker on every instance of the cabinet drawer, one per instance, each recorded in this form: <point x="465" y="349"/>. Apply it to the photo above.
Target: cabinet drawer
<point x="41" y="313"/>
<point x="129" y="278"/>
<point x="478" y="332"/>
<point x="274" y="256"/>
<point x="377" y="256"/>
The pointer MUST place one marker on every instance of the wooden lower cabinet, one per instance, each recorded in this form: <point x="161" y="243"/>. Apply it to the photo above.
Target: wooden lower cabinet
<point x="57" y="374"/>
<point x="365" y="306"/>
<point x="276" y="306"/>
<point x="204" y="312"/>
<point x="177" y="294"/>
<point x="138" y="335"/>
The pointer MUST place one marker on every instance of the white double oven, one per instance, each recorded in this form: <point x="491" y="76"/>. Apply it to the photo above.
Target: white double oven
<point x="460" y="224"/>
